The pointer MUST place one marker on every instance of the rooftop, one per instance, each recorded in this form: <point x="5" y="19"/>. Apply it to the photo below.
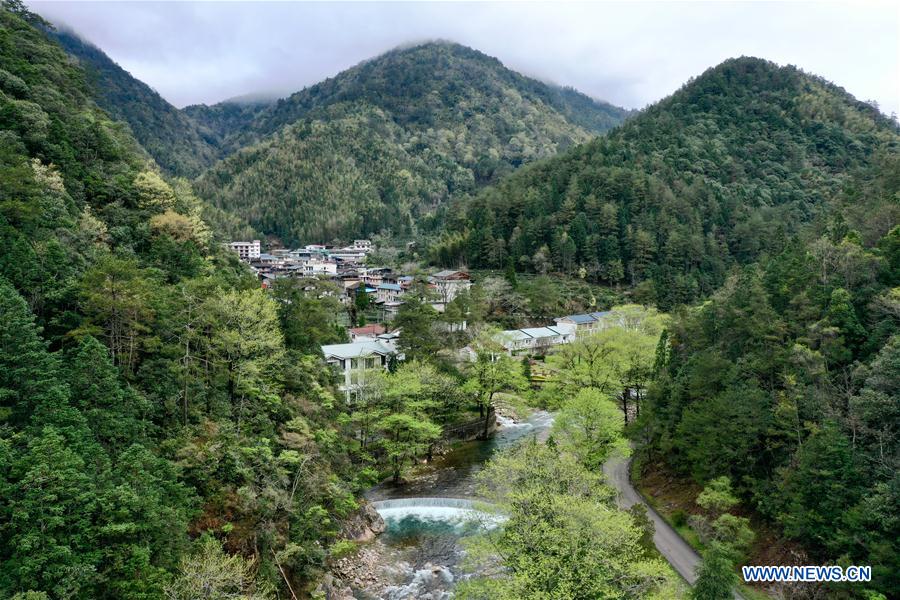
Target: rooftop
<point x="356" y="350"/>
<point x="446" y="274"/>
<point x="372" y="329"/>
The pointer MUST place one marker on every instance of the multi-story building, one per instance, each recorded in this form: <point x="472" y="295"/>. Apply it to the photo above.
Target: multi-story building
<point x="356" y="360"/>
<point x="246" y="250"/>
<point x="389" y="293"/>
<point x="448" y="285"/>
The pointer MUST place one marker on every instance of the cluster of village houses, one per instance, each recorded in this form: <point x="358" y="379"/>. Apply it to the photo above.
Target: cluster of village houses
<point x="375" y="346"/>
<point x="347" y="268"/>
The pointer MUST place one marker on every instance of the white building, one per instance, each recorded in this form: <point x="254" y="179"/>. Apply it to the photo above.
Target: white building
<point x="586" y="323"/>
<point x="536" y="340"/>
<point x="246" y="250"/>
<point x="449" y="284"/>
<point x="354" y="360"/>
<point x="389" y="292"/>
<point x="349" y="255"/>
<point x="320" y="267"/>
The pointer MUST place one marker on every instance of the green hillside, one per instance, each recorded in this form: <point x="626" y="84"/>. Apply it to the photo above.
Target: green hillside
<point x="152" y="416"/>
<point x="445" y="121"/>
<point x="762" y="205"/>
<point x="724" y="171"/>
<point x="169" y="135"/>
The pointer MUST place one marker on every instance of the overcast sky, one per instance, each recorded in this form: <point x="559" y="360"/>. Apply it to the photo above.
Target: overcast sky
<point x="630" y="54"/>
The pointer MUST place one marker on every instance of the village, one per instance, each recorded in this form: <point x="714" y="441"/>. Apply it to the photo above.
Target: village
<point x="375" y="345"/>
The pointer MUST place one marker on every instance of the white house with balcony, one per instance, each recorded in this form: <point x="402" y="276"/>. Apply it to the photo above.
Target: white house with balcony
<point x="355" y="360"/>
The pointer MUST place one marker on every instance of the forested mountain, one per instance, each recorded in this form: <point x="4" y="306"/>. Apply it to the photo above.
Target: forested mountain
<point x="774" y="197"/>
<point x="169" y="135"/>
<point x="147" y="394"/>
<point x="400" y="134"/>
<point x="433" y="85"/>
<point x="724" y="171"/>
<point x="448" y="119"/>
<point x="225" y="119"/>
<point x="168" y="428"/>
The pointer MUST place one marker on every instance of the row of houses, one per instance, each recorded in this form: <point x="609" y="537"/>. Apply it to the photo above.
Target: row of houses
<point x="312" y="259"/>
<point x="346" y="267"/>
<point x="373" y="347"/>
<point x="539" y="340"/>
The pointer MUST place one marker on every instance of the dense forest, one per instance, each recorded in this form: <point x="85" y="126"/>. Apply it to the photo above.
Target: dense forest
<point x="773" y="196"/>
<point x="448" y="119"/>
<point x="169" y="135"/>
<point x="379" y="146"/>
<point x="786" y="381"/>
<point x="168" y="429"/>
<point x="147" y="393"/>
<point x="728" y="169"/>
<point x="430" y="85"/>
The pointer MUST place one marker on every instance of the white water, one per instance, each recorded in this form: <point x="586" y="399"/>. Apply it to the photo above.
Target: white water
<point x="455" y="512"/>
<point x="510" y="432"/>
<point x="419" y="553"/>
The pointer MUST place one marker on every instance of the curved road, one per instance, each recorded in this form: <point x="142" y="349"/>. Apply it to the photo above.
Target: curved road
<point x="680" y="555"/>
<point x="674" y="549"/>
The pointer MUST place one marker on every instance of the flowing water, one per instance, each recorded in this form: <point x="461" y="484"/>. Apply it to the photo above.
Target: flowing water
<point x="419" y="554"/>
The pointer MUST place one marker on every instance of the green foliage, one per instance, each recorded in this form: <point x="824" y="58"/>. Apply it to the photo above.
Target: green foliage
<point x="721" y="173"/>
<point x="146" y="390"/>
<point x="617" y="361"/>
<point x="114" y="414"/>
<point x="784" y="382"/>
<point x="149" y="388"/>
<point x="379" y="146"/>
<point x="563" y="538"/>
<point x="590" y="426"/>
<point x="28" y="373"/>
<point x="170" y="136"/>
<point x="211" y="573"/>
<point x="417" y="321"/>
<point x="494" y="371"/>
<point x="308" y="311"/>
<point x="398" y="415"/>
<point x="715" y="576"/>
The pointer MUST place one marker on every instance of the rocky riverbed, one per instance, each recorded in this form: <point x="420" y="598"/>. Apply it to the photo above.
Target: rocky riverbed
<point x="414" y="552"/>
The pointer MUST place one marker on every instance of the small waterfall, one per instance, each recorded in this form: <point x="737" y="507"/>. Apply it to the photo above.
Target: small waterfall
<point x="422" y="502"/>
<point x="407" y="515"/>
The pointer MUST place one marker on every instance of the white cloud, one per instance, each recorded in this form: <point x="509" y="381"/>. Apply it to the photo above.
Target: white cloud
<point x="631" y="53"/>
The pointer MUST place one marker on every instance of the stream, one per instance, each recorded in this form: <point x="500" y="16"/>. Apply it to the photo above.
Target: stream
<point x="419" y="554"/>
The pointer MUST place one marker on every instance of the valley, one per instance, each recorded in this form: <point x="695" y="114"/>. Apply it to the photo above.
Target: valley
<point x="401" y="333"/>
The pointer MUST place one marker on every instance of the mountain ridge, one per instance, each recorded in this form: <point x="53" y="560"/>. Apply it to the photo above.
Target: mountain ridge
<point x="299" y="104"/>
<point x="722" y="169"/>
<point x="166" y="133"/>
<point x="450" y="119"/>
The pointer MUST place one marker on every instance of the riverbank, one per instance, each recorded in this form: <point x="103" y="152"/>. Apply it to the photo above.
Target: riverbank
<point x="419" y="556"/>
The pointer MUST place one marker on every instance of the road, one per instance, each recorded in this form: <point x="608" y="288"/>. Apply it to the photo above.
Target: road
<point x="680" y="555"/>
<point x="674" y="549"/>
